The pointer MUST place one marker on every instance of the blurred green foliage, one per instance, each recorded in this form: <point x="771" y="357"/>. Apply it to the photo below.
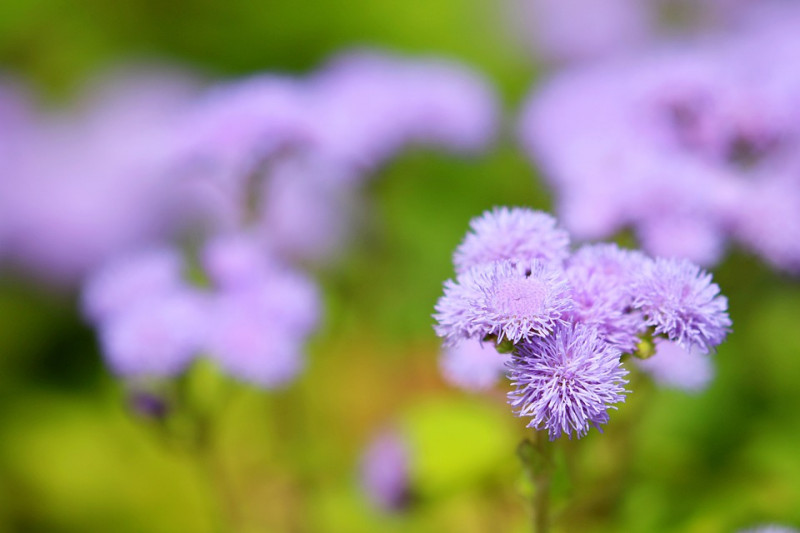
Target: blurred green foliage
<point x="72" y="459"/>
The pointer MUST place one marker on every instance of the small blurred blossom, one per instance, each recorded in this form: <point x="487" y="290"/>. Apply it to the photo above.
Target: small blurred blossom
<point x="472" y="365"/>
<point x="772" y="528"/>
<point x="385" y="472"/>
<point x="690" y="146"/>
<point x="676" y="367"/>
<point x="117" y="286"/>
<point x="249" y="340"/>
<point x="157" y="336"/>
<point x="572" y="30"/>
<point x="567" y="322"/>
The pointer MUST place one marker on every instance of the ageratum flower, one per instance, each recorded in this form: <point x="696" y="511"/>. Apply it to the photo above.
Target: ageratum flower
<point x="676" y="367"/>
<point x="121" y="283"/>
<point x="513" y="301"/>
<point x="250" y="342"/>
<point x="690" y="146"/>
<point x="157" y="336"/>
<point x="600" y="276"/>
<point x="516" y="234"/>
<point x="772" y="528"/>
<point x="472" y="365"/>
<point x="680" y="302"/>
<point x="567" y="381"/>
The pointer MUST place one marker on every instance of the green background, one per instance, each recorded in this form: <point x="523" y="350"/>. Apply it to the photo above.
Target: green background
<point x="73" y="459"/>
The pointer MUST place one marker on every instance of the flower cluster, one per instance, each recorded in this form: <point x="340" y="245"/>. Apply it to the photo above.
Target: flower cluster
<point x="145" y="156"/>
<point x="188" y="213"/>
<point x="252" y="318"/>
<point x="568" y="318"/>
<point x="691" y="146"/>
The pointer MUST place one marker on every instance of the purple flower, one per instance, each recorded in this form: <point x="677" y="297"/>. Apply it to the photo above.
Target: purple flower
<point x="385" y="472"/>
<point x="121" y="284"/>
<point x="251" y="343"/>
<point x="679" y="300"/>
<point x="600" y="276"/>
<point x="688" y="146"/>
<point x="567" y="381"/>
<point x="157" y="336"/>
<point x="676" y="367"/>
<point x="472" y="365"/>
<point x="570" y="30"/>
<point x="771" y="528"/>
<point x="370" y="105"/>
<point x="515" y="234"/>
<point x="308" y="206"/>
<point x="511" y="301"/>
<point x="258" y="327"/>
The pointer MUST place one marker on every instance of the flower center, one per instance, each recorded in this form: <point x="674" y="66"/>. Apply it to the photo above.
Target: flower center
<point x="520" y="296"/>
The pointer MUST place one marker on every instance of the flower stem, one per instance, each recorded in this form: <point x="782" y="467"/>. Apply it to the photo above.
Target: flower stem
<point x="542" y="479"/>
<point x="537" y="458"/>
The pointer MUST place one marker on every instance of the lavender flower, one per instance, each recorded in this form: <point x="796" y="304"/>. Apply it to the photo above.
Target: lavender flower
<point x="119" y="285"/>
<point x="689" y="146"/>
<point x="600" y="276"/>
<point x="771" y="528"/>
<point x="250" y="343"/>
<point x="676" y="367"/>
<point x="570" y="30"/>
<point x="385" y="472"/>
<point x="258" y="326"/>
<point x="680" y="301"/>
<point x="516" y="234"/>
<point x="511" y="301"/>
<point x="157" y="336"/>
<point x="472" y="365"/>
<point x="567" y="381"/>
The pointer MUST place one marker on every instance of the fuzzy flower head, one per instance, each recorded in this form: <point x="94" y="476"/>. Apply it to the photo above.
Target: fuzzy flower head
<point x="510" y="301"/>
<point x="772" y="528"/>
<point x="472" y="365"/>
<point x="516" y="234"/>
<point x="600" y="276"/>
<point x="679" y="300"/>
<point x="675" y="367"/>
<point x="567" y="382"/>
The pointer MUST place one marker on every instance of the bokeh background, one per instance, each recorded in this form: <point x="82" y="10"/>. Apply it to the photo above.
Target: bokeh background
<point x="73" y="458"/>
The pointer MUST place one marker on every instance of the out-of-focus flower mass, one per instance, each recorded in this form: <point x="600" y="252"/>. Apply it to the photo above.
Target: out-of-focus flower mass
<point x="188" y="211"/>
<point x="568" y="320"/>
<point x="692" y="145"/>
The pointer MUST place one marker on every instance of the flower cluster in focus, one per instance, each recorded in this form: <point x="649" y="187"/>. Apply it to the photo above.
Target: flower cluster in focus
<point x="567" y="318"/>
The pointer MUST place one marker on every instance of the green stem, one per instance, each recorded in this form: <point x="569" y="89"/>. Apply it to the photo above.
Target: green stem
<point x="542" y="479"/>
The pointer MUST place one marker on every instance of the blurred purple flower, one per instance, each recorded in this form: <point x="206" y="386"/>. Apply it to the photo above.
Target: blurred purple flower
<point x="516" y="234"/>
<point x="511" y="301"/>
<point x="156" y="336"/>
<point x="771" y="528"/>
<point x="399" y="101"/>
<point x="385" y="472"/>
<point x="677" y="144"/>
<point x="679" y="300"/>
<point x="570" y="30"/>
<point x="567" y="381"/>
<point x="472" y="365"/>
<point x="676" y="367"/>
<point x="250" y="343"/>
<point x="120" y="284"/>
